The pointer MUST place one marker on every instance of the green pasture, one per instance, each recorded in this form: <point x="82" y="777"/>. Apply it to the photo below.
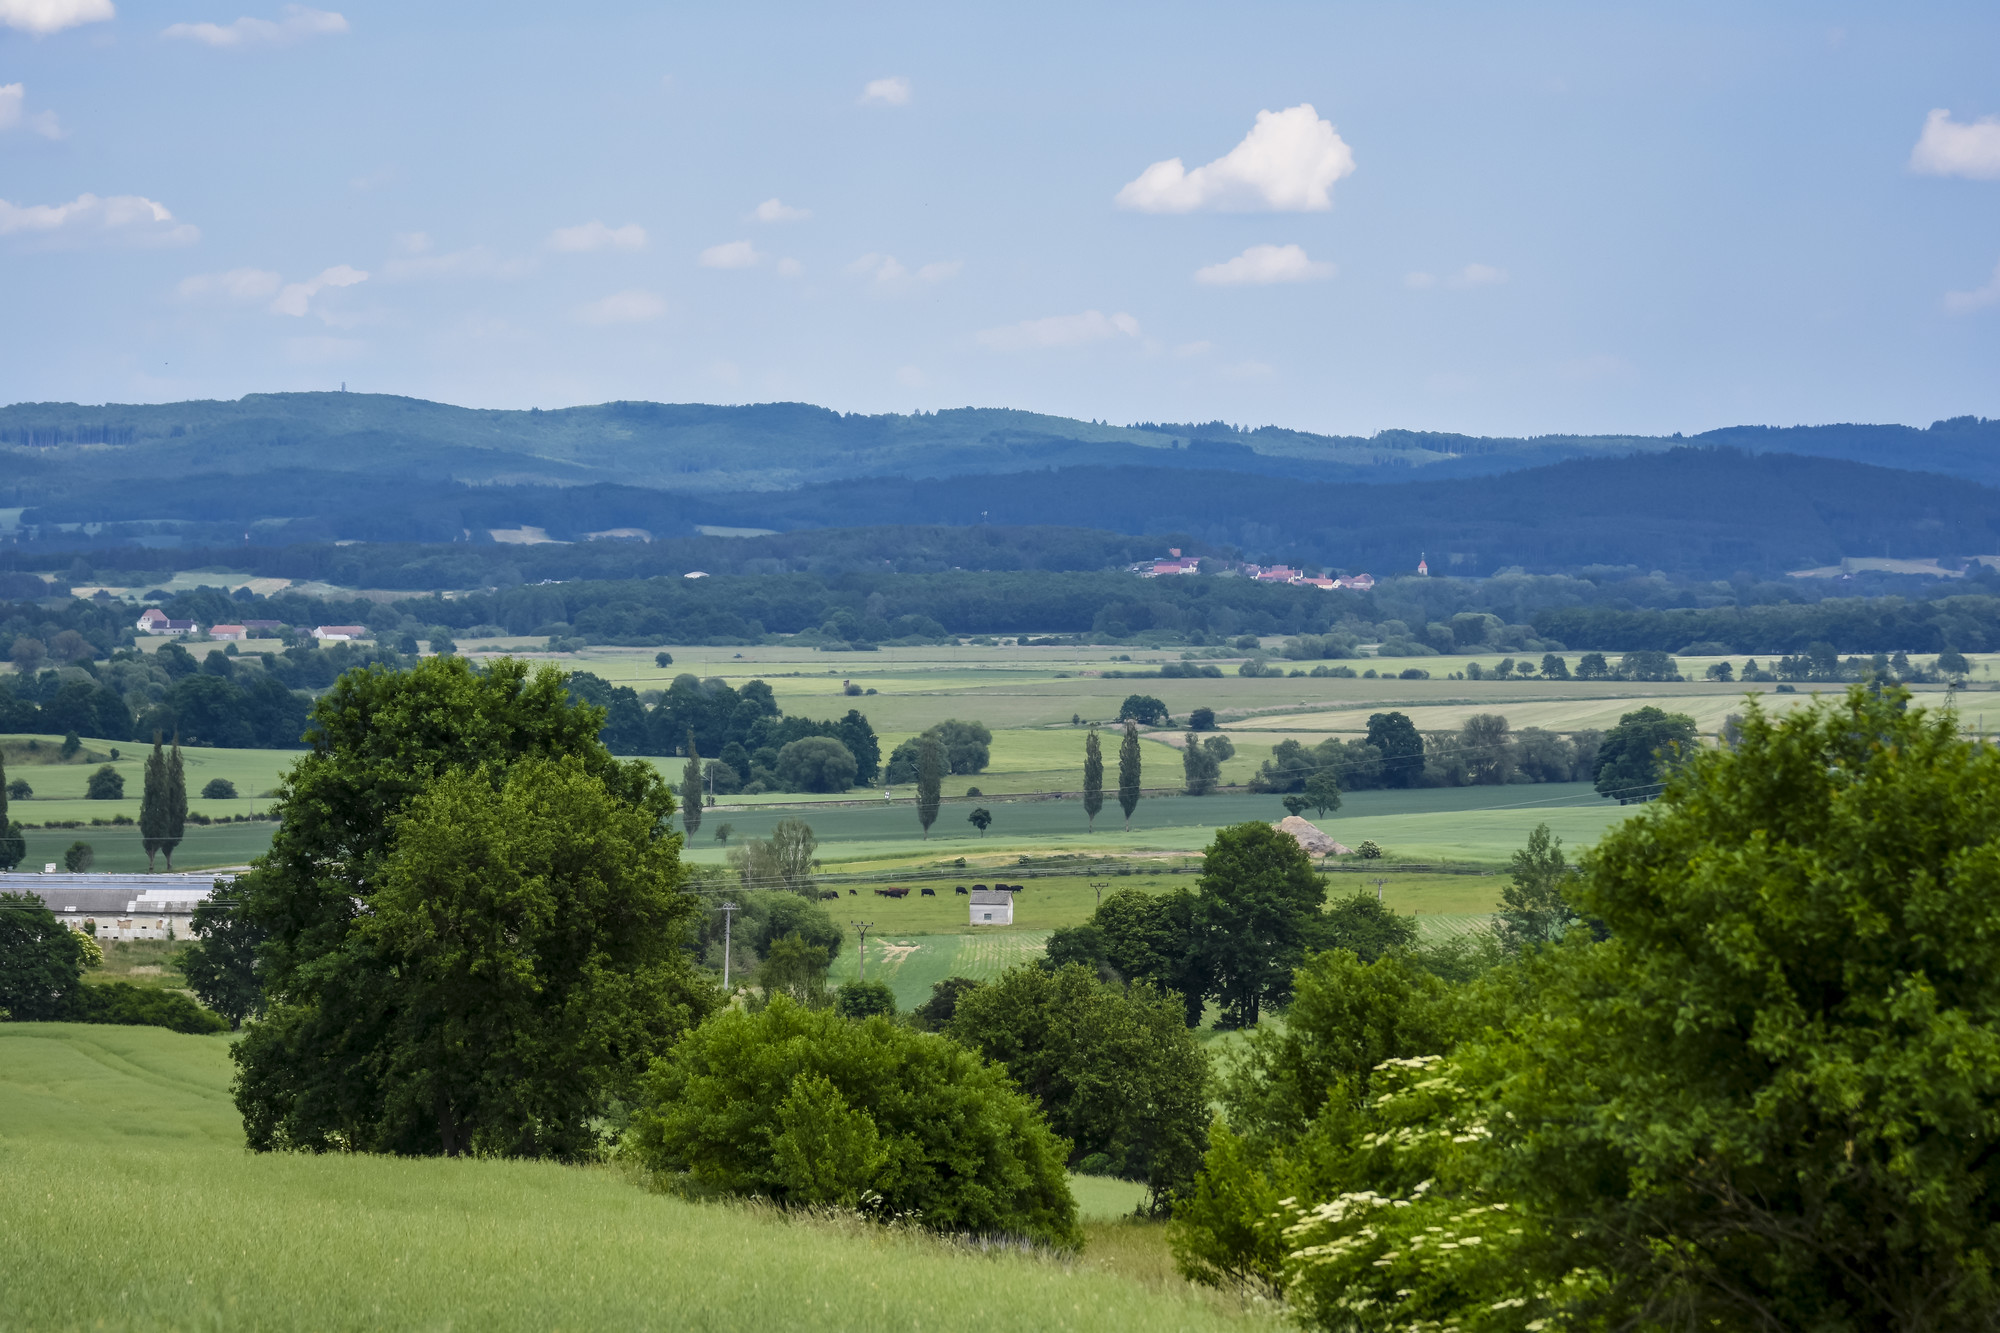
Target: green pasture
<point x="128" y="1202"/>
<point x="118" y="847"/>
<point x="1478" y="824"/>
<point x="912" y="963"/>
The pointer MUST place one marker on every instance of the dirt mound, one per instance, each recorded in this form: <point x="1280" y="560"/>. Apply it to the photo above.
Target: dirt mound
<point x="1310" y="837"/>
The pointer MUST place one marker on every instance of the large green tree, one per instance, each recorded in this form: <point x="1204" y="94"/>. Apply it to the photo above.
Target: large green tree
<point x="176" y="803"/>
<point x="1093" y="779"/>
<point x="1402" y="748"/>
<point x="1256" y="903"/>
<point x="1116" y="1071"/>
<point x="1767" y="1100"/>
<point x="564" y="884"/>
<point x="221" y="963"/>
<point x="1199" y="767"/>
<point x="41" y="962"/>
<point x="1636" y="756"/>
<point x="1534" y="908"/>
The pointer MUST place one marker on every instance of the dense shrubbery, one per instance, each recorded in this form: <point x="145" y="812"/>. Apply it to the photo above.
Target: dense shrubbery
<point x="806" y="1107"/>
<point x="741" y="734"/>
<point x="1723" y="1105"/>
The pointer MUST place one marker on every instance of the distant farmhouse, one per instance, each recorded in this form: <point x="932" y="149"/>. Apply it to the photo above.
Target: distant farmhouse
<point x="340" y="633"/>
<point x="154" y="621"/>
<point x="121" y="907"/>
<point x="1176" y="563"/>
<point x="229" y="633"/>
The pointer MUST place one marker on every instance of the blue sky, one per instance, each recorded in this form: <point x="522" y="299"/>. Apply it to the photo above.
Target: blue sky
<point x="1497" y="219"/>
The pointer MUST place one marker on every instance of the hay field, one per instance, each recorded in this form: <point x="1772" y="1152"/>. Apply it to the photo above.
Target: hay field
<point x="127" y="1202"/>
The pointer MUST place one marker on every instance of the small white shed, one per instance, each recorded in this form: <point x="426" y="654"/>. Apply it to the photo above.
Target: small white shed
<point x="992" y="907"/>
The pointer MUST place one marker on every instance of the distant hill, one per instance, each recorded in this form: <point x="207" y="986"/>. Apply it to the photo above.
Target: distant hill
<point x="699" y="448"/>
<point x="281" y="469"/>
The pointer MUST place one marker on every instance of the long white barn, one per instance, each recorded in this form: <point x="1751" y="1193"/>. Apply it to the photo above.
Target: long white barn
<point x="125" y="907"/>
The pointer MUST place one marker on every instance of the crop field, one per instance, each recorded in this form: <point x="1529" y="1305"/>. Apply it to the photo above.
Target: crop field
<point x="127" y="1202"/>
<point x="912" y="963"/>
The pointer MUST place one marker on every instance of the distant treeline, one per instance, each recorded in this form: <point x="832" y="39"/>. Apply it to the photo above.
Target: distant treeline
<point x="1965" y="623"/>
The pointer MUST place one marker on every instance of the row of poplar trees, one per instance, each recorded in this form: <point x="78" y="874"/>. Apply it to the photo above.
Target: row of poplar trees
<point x="930" y="780"/>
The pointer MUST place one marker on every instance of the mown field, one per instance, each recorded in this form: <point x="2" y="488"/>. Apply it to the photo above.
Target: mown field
<point x="128" y="1202"/>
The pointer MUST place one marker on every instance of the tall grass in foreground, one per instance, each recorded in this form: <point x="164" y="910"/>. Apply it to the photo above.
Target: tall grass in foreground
<point x="126" y="1202"/>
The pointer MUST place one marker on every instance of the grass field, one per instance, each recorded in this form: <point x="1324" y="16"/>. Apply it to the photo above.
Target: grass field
<point x="127" y="1202"/>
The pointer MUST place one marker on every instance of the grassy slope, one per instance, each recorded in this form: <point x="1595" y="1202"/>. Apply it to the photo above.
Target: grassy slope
<point x="126" y="1202"/>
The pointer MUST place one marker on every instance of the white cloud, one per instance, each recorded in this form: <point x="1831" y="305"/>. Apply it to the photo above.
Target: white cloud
<point x="730" y="254"/>
<point x="626" y="307"/>
<point x="888" y="269"/>
<point x="238" y="284"/>
<point x="594" y="235"/>
<point x="127" y="219"/>
<point x="1964" y="303"/>
<point x="296" y="297"/>
<point x="1262" y="264"/>
<point x="42" y="17"/>
<point x="772" y="210"/>
<point x="1200" y="347"/>
<point x="892" y="91"/>
<point x="1472" y="275"/>
<point x="13" y="101"/>
<point x="790" y="268"/>
<point x="474" y="262"/>
<point x="298" y="24"/>
<point x="1286" y="164"/>
<point x="1947" y="148"/>
<point x="1058" y="331"/>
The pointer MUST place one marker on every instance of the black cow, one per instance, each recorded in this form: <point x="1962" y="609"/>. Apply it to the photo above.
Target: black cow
<point x="850" y="893"/>
<point x="829" y="893"/>
<point x="959" y="890"/>
<point x="930" y="893"/>
<point x="979" y="888"/>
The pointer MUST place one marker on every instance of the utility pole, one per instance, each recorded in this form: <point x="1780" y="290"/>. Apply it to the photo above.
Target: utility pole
<point x="727" y="921"/>
<point x="861" y="967"/>
<point x="1099" y="886"/>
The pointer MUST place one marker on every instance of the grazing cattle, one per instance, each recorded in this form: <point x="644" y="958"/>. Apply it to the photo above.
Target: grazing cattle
<point x="959" y="890"/>
<point x="850" y="893"/>
<point x="930" y="893"/>
<point x="828" y="893"/>
<point x="892" y="893"/>
<point x="979" y="888"/>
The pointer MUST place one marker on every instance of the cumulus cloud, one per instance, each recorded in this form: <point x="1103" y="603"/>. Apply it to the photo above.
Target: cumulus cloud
<point x="296" y="297"/>
<point x="1262" y="264"/>
<point x="594" y="235"/>
<point x="790" y="268"/>
<point x="892" y="91"/>
<point x="42" y="17"/>
<point x="773" y="210"/>
<point x="1472" y="275"/>
<point x="627" y="307"/>
<point x="297" y="25"/>
<point x="238" y="284"/>
<point x="730" y="254"/>
<point x="1058" y="331"/>
<point x="1948" y="148"/>
<point x="1964" y="303"/>
<point x="1286" y="164"/>
<point x="122" y="219"/>
<point x="888" y="269"/>
<point x="13" y="102"/>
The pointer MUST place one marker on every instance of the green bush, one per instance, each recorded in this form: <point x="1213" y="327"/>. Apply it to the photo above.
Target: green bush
<point x="807" y="1108"/>
<point x="865" y="999"/>
<point x="219" y="789"/>
<point x="106" y="784"/>
<point x="122" y="1002"/>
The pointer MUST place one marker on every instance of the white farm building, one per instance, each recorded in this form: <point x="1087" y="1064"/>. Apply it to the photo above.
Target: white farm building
<point x="992" y="907"/>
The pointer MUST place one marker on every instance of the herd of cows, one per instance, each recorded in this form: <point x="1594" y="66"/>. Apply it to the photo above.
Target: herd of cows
<point x="927" y="893"/>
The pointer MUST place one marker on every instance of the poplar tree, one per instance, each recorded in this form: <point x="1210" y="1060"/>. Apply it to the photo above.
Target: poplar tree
<point x="1128" y="773"/>
<point x="691" y="788"/>
<point x="153" y="803"/>
<point x="177" y="802"/>
<point x="12" y="846"/>
<point x="1093" y="778"/>
<point x="930" y="781"/>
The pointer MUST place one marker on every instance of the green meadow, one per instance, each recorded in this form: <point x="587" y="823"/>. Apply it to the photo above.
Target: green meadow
<point x="127" y="1202"/>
